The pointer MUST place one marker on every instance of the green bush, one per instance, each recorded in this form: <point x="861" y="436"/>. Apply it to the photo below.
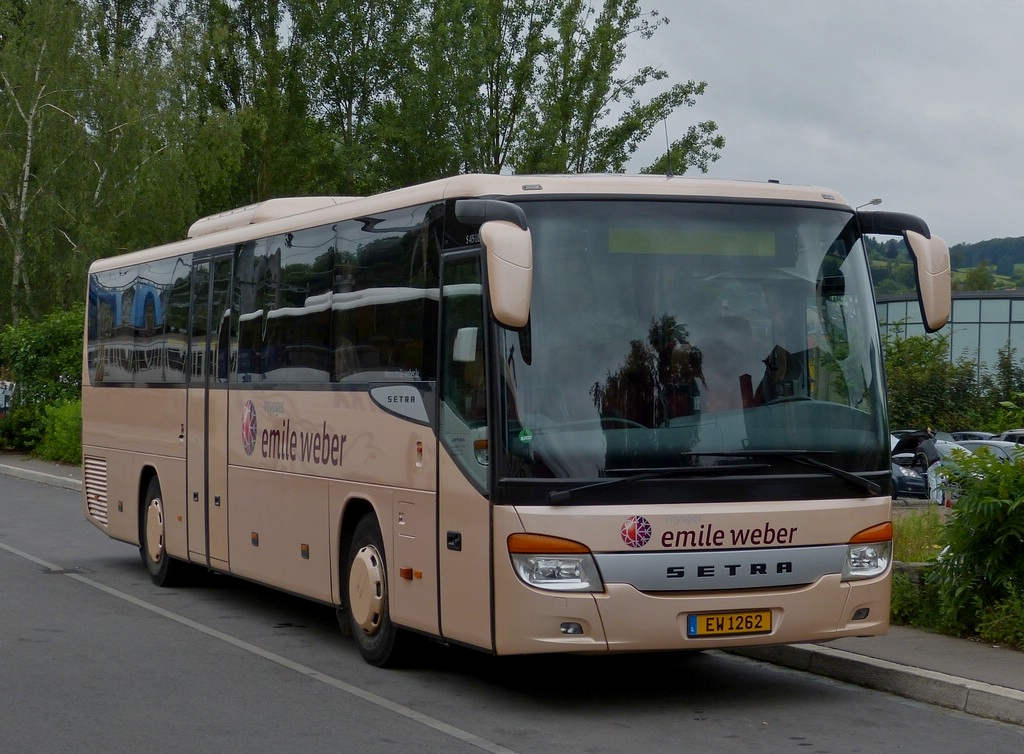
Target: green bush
<point x="21" y="429"/>
<point x="1003" y="623"/>
<point x="917" y="602"/>
<point x="907" y="601"/>
<point x="44" y="360"/>
<point x="62" y="434"/>
<point x="981" y="566"/>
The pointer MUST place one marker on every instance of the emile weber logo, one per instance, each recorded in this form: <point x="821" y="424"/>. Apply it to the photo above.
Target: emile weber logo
<point x="281" y="442"/>
<point x="249" y="430"/>
<point x="637" y="531"/>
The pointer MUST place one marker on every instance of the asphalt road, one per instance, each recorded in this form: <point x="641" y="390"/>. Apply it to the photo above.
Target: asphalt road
<point x="93" y="657"/>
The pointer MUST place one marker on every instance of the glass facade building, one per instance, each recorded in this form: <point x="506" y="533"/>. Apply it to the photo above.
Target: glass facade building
<point x="981" y="323"/>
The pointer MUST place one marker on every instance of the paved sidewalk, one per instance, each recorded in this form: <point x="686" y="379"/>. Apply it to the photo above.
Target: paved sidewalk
<point x="35" y="470"/>
<point x="954" y="673"/>
<point x="957" y="674"/>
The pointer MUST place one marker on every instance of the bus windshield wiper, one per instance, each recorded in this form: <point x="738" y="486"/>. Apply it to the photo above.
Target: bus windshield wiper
<point x="564" y="496"/>
<point x="806" y="457"/>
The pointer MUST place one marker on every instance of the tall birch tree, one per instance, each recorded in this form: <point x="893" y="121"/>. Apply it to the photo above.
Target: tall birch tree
<point x="41" y="140"/>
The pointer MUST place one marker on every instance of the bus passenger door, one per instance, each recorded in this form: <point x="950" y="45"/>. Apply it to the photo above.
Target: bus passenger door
<point x="464" y="517"/>
<point x="209" y="364"/>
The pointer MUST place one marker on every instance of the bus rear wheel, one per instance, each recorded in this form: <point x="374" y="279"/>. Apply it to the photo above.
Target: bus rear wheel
<point x="366" y="596"/>
<point x="163" y="570"/>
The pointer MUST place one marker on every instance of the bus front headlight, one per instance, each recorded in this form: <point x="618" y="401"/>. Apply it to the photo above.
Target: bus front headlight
<point x="868" y="553"/>
<point x="554" y="563"/>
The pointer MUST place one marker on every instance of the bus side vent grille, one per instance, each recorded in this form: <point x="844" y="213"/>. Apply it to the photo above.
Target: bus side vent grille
<point x="96" y="488"/>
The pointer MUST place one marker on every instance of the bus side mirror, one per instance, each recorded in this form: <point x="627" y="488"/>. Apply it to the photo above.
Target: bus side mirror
<point x="509" y="250"/>
<point x="931" y="263"/>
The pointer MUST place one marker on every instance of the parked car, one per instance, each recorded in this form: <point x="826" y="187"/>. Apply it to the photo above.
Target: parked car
<point x="911" y="450"/>
<point x="972" y="435"/>
<point x="1012" y="435"/>
<point x="908" y="478"/>
<point x="901" y="433"/>
<point x="939" y="488"/>
<point x="1001" y="449"/>
<point x="908" y="482"/>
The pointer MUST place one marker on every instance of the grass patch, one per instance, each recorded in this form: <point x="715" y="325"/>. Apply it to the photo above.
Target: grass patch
<point x="916" y="535"/>
<point x="1004" y="623"/>
<point x="921" y="600"/>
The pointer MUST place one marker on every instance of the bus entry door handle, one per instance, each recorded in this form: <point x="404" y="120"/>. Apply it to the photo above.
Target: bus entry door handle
<point x="455" y="541"/>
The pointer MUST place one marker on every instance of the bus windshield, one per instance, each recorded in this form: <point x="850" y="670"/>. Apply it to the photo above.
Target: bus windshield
<point x="668" y="334"/>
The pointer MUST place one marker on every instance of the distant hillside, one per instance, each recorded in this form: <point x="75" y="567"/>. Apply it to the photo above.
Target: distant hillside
<point x="1002" y="254"/>
<point x="997" y="264"/>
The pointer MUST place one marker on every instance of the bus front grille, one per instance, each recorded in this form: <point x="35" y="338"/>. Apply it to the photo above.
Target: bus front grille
<point x="96" y="488"/>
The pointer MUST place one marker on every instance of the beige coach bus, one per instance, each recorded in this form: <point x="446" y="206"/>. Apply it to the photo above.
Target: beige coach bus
<point x="520" y="414"/>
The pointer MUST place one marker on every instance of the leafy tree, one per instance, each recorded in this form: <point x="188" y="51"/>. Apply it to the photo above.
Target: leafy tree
<point x="698" y="149"/>
<point x="958" y="256"/>
<point x="134" y="159"/>
<point x="270" y="100"/>
<point x="87" y="147"/>
<point x="354" y="58"/>
<point x="888" y="286"/>
<point x="570" y="126"/>
<point x="465" y="99"/>
<point x="432" y="127"/>
<point x="509" y="40"/>
<point x="980" y="278"/>
<point x="202" y="132"/>
<point x="927" y="389"/>
<point x="535" y="86"/>
<point x="238" y="112"/>
<point x="41" y="143"/>
<point x="1008" y="375"/>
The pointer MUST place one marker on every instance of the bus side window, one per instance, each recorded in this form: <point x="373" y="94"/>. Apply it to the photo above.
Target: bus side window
<point x="463" y="419"/>
<point x="470" y="394"/>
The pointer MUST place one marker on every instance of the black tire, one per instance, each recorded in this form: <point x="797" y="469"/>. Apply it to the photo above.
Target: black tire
<point x="163" y="569"/>
<point x="366" y="596"/>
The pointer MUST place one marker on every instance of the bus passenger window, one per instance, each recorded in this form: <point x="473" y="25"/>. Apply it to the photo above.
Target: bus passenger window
<point x="463" y="420"/>
<point x="469" y="394"/>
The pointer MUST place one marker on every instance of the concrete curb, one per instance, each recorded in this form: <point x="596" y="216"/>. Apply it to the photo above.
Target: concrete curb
<point x="929" y="686"/>
<point x="53" y="480"/>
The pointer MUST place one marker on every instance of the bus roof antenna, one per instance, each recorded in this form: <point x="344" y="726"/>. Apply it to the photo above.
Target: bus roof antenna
<point x="668" y="152"/>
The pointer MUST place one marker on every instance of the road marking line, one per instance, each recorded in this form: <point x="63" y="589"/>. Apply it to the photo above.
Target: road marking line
<point x="309" y="672"/>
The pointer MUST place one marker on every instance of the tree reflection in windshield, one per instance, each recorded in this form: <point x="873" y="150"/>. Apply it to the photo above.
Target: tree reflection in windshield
<point x="659" y="378"/>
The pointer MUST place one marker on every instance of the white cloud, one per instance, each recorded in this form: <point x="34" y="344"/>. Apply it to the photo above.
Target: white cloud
<point x="918" y="102"/>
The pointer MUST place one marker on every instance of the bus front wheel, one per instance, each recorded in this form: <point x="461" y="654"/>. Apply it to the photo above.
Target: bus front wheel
<point x="163" y="570"/>
<point x="366" y="596"/>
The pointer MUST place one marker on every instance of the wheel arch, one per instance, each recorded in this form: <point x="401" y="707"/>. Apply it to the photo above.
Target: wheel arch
<point x="146" y="474"/>
<point x="355" y="509"/>
<point x="367" y="618"/>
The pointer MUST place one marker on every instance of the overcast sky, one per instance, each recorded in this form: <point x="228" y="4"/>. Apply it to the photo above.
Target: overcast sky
<point x="917" y="102"/>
